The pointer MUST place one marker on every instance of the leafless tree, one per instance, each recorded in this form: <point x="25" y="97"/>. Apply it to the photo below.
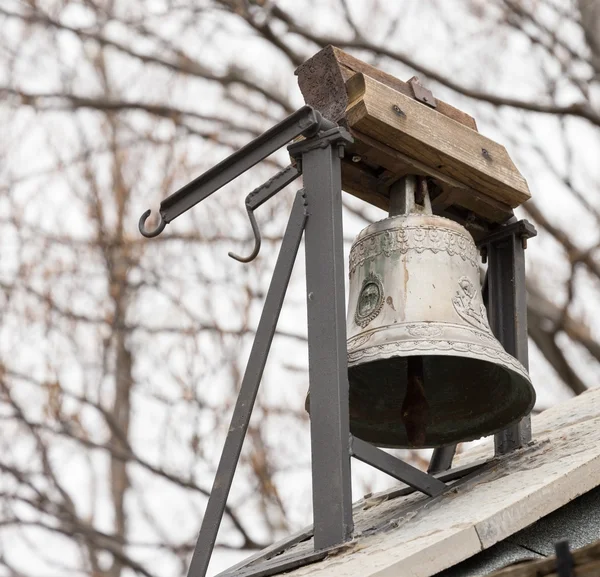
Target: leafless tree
<point x="120" y="357"/>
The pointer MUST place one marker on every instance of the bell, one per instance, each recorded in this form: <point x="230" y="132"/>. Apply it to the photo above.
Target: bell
<point x="424" y="368"/>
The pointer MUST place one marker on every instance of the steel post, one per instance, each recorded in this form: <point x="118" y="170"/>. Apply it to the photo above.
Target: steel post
<point x="327" y="352"/>
<point x="441" y="459"/>
<point x="249" y="389"/>
<point x="507" y="310"/>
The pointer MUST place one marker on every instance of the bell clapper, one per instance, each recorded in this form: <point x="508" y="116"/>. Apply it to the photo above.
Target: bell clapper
<point x="415" y="408"/>
<point x="410" y="195"/>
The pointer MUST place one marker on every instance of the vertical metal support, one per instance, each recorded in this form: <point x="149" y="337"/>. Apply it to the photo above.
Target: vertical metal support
<point x="327" y="349"/>
<point x="564" y="559"/>
<point x="249" y="389"/>
<point x="441" y="459"/>
<point x="507" y="311"/>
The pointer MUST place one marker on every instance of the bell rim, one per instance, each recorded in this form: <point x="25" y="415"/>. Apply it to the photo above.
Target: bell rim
<point x="431" y="348"/>
<point x="515" y="369"/>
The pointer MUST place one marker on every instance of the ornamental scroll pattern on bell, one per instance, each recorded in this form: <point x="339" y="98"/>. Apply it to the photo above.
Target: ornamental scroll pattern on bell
<point x="417" y="238"/>
<point x="386" y="350"/>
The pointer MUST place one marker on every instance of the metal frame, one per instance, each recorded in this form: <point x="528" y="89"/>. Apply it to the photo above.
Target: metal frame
<point x="505" y="296"/>
<point x="317" y="212"/>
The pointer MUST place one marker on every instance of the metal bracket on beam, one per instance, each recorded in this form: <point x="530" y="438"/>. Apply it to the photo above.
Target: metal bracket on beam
<point x="521" y="229"/>
<point x="421" y="93"/>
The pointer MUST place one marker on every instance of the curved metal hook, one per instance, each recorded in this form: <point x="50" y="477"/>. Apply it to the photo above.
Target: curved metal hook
<point x="257" y="239"/>
<point x="150" y="233"/>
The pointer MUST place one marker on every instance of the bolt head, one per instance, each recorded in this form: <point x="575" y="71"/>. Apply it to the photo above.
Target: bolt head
<point x="397" y="110"/>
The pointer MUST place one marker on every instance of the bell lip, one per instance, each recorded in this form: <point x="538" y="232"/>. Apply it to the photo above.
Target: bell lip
<point x="518" y="370"/>
<point x="468" y="439"/>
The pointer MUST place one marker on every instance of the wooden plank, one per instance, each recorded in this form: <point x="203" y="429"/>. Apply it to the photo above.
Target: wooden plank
<point x="360" y="182"/>
<point x="423" y="134"/>
<point x="349" y="66"/>
<point x="322" y="80"/>
<point x="375" y="153"/>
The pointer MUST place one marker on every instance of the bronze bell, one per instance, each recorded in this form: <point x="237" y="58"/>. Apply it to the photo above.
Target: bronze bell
<point x="424" y="368"/>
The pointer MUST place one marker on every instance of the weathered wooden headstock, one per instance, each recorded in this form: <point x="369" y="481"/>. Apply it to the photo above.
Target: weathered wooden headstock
<point x="399" y="128"/>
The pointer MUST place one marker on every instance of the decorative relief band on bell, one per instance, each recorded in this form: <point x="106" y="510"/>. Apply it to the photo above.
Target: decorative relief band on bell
<point x="437" y="347"/>
<point x="428" y="330"/>
<point x="370" y="300"/>
<point x="418" y="238"/>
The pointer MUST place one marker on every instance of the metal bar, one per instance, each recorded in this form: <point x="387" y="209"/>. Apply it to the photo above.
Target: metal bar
<point x="402" y="195"/>
<point x="507" y="311"/>
<point x="265" y="191"/>
<point x="441" y="459"/>
<point x="564" y="559"/>
<point x="396" y="468"/>
<point x="249" y="389"/>
<point x="519" y="228"/>
<point x="306" y="120"/>
<point x="446" y="476"/>
<point x="280" y="565"/>
<point x="327" y="349"/>
<point x="306" y="533"/>
<point x="274" y="550"/>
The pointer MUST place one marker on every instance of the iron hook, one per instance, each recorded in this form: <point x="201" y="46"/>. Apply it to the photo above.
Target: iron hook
<point x="257" y="239"/>
<point x="151" y="233"/>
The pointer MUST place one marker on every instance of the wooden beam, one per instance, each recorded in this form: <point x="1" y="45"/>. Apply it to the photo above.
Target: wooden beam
<point x="395" y="134"/>
<point x="322" y="81"/>
<point x="362" y="183"/>
<point x="433" y="139"/>
<point x="456" y="195"/>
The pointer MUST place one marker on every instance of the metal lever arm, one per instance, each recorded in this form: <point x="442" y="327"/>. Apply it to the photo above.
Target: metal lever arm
<point x="258" y="197"/>
<point x="306" y="121"/>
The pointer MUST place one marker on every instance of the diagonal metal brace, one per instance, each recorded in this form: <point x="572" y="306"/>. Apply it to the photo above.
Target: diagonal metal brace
<point x="396" y="468"/>
<point x="240" y="419"/>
